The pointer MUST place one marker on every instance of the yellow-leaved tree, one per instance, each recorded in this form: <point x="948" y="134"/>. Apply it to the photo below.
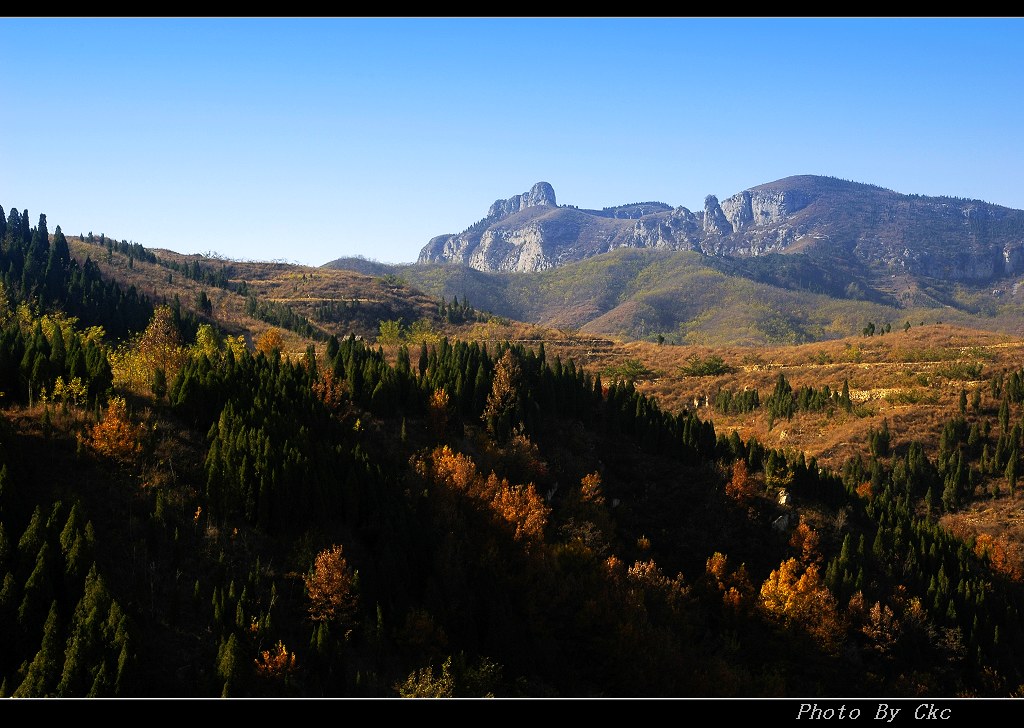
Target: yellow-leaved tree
<point x="207" y="342"/>
<point x="798" y="598"/>
<point x="504" y="410"/>
<point x="437" y="412"/>
<point x="160" y="347"/>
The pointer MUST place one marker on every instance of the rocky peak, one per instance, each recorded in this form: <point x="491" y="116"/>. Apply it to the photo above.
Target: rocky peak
<point x="541" y="193"/>
<point x="715" y="221"/>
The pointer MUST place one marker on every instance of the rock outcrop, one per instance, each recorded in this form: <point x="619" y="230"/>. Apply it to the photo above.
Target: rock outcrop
<point x="715" y="221"/>
<point x="540" y="194"/>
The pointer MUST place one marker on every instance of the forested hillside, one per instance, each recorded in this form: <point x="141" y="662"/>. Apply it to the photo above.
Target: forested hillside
<point x="188" y="512"/>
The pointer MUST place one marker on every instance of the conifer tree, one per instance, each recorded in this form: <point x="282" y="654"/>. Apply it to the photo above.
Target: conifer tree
<point x="44" y="670"/>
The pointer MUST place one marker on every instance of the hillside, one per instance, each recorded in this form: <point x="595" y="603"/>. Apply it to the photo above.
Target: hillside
<point x="690" y="298"/>
<point x="245" y="298"/>
<point x="256" y="480"/>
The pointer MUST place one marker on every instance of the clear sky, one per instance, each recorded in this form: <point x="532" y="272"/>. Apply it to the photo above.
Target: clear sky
<point x="308" y="139"/>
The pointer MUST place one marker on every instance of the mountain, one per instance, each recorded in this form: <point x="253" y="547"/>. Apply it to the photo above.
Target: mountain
<point x="805" y="258"/>
<point x="945" y="238"/>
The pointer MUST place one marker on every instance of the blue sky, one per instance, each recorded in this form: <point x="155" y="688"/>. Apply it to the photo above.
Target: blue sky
<point x="308" y="139"/>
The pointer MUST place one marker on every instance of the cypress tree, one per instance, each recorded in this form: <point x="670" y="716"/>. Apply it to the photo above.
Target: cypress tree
<point x="24" y="229"/>
<point x="11" y="230"/>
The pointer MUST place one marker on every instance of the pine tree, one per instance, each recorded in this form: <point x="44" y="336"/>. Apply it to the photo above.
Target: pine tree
<point x="951" y="492"/>
<point x="229" y="665"/>
<point x="39" y="590"/>
<point x="44" y="670"/>
<point x="58" y="265"/>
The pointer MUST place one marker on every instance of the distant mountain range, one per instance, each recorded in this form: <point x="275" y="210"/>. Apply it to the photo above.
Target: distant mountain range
<point x="801" y="259"/>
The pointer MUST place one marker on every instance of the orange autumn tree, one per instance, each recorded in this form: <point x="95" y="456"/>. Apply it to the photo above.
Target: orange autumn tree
<point x="520" y="507"/>
<point x="740" y="486"/>
<point x="646" y="582"/>
<point x="117" y="436"/>
<point x="329" y="388"/>
<point x="999" y="557"/>
<point x="733" y="584"/>
<point x="588" y="507"/>
<point x="447" y="467"/>
<point x="806" y="540"/>
<point x="270" y="341"/>
<point x="590" y="489"/>
<point x="865" y="490"/>
<point x="331" y="585"/>
<point x="647" y="615"/>
<point x="276" y="663"/>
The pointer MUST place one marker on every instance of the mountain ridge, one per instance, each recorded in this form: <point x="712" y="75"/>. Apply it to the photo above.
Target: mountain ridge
<point x="947" y="238"/>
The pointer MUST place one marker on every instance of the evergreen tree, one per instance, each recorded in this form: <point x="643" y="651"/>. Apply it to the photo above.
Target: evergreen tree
<point x="44" y="670"/>
<point x="12" y="231"/>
